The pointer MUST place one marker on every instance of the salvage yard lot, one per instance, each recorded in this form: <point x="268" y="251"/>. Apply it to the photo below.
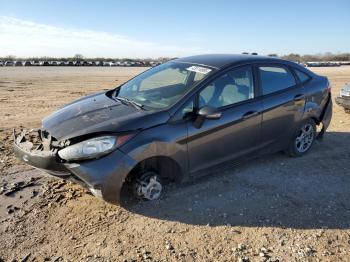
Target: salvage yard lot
<point x="275" y="207"/>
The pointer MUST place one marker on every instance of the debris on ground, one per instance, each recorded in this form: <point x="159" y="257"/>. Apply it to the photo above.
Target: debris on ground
<point x="8" y="190"/>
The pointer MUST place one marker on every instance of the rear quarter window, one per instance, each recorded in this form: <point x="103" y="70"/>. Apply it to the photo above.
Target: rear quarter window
<point x="275" y="78"/>
<point x="303" y="77"/>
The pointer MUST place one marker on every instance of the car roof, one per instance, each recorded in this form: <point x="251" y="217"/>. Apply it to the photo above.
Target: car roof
<point x="221" y="60"/>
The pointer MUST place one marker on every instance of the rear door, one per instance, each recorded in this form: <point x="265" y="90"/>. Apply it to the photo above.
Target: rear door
<point x="237" y="132"/>
<point x="283" y="101"/>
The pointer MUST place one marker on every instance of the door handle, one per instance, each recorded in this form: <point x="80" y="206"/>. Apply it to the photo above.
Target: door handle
<point x="299" y="97"/>
<point x="250" y="114"/>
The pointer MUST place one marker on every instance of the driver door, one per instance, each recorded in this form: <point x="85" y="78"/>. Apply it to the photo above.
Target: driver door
<point x="237" y="132"/>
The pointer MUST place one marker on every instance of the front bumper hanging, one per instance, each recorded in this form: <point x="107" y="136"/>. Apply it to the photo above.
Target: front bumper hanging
<point x="36" y="148"/>
<point x="104" y="177"/>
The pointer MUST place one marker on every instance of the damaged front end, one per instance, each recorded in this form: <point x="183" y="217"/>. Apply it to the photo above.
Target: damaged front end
<point x="103" y="176"/>
<point x="39" y="149"/>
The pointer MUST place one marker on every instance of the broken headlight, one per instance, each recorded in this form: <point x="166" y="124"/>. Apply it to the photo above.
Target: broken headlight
<point x="88" y="149"/>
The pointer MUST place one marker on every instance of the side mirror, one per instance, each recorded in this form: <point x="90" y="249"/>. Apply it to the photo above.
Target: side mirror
<point x="204" y="113"/>
<point x="208" y="112"/>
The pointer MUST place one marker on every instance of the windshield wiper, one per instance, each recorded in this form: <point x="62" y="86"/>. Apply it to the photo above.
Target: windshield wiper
<point x="125" y="100"/>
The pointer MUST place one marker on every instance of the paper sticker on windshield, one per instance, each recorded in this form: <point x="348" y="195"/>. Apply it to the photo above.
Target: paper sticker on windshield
<point x="199" y="69"/>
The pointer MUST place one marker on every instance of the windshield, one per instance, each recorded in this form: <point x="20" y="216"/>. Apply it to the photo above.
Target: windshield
<point x="162" y="86"/>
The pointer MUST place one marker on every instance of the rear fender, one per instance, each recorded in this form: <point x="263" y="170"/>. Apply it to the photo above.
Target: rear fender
<point x="322" y="114"/>
<point x="326" y="117"/>
<point x="312" y="110"/>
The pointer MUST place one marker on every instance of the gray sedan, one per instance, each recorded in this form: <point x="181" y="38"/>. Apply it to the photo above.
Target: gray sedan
<point x="179" y="120"/>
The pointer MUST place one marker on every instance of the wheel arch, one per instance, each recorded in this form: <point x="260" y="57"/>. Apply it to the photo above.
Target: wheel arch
<point x="312" y="111"/>
<point x="319" y="113"/>
<point x="167" y="157"/>
<point x="166" y="166"/>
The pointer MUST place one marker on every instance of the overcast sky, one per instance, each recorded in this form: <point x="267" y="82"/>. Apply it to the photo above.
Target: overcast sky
<point x="172" y="28"/>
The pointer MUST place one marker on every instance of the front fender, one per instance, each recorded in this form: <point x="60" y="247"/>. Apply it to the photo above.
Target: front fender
<point x="173" y="151"/>
<point x="106" y="174"/>
<point x="162" y="141"/>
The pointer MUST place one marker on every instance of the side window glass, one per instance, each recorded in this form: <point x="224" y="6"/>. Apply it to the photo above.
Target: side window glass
<point x="274" y="78"/>
<point x="302" y="76"/>
<point x="184" y="111"/>
<point x="232" y="87"/>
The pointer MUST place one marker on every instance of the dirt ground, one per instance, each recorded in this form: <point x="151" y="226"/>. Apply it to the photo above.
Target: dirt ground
<point x="273" y="208"/>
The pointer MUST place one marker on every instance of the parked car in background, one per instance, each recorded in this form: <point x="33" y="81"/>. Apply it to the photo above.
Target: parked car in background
<point x="45" y="62"/>
<point x="91" y="63"/>
<point x="108" y="63"/>
<point x="37" y="63"/>
<point x="180" y="120"/>
<point x="9" y="63"/>
<point x="344" y="98"/>
<point x="323" y="64"/>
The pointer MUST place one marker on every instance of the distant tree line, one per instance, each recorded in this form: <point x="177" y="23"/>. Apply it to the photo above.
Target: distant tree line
<point x="316" y="58"/>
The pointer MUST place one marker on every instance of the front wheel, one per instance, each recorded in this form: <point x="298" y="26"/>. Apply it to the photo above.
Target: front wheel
<point x="303" y="139"/>
<point x="148" y="186"/>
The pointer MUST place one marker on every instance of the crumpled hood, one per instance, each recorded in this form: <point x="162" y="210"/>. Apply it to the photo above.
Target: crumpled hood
<point x="99" y="113"/>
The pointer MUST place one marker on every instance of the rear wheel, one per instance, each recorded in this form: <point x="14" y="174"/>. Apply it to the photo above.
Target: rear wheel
<point x="148" y="186"/>
<point x="303" y="139"/>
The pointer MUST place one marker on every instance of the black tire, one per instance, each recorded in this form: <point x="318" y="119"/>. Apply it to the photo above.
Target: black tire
<point x="148" y="185"/>
<point x="303" y="139"/>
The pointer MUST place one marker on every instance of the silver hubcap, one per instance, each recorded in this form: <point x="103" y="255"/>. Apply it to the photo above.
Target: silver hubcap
<point x="304" y="138"/>
<point x="149" y="188"/>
